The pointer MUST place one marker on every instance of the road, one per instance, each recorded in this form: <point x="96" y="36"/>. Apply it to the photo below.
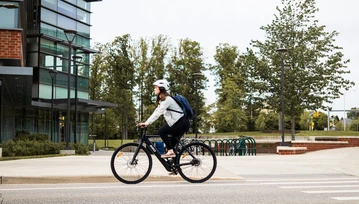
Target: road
<point x="269" y="189"/>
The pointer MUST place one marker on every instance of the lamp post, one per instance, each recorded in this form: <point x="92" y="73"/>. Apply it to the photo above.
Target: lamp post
<point x="53" y="74"/>
<point x="105" y="130"/>
<point x="196" y="115"/>
<point x="77" y="60"/>
<point x="70" y="36"/>
<point x="282" y="51"/>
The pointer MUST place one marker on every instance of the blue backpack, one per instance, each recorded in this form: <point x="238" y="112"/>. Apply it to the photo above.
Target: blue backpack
<point x="183" y="103"/>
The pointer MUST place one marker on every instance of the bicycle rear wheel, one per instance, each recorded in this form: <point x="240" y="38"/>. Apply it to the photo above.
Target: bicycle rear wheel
<point x="129" y="173"/>
<point x="197" y="162"/>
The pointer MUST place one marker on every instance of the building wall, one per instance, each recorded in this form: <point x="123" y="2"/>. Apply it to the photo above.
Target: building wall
<point x="11" y="45"/>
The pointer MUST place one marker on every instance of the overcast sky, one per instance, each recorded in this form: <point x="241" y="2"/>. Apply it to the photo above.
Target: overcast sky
<point x="211" y="22"/>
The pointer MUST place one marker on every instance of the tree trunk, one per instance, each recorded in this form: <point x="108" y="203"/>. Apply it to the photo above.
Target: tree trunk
<point x="292" y="130"/>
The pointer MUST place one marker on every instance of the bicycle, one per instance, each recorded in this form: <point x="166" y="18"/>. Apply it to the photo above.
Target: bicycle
<point x="131" y="163"/>
<point x="234" y="148"/>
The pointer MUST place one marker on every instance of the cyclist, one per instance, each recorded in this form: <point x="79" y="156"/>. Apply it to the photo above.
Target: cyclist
<point x="176" y="125"/>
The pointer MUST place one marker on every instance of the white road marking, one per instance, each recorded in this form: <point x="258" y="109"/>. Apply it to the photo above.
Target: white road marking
<point x="337" y="186"/>
<point x="333" y="191"/>
<point x="345" y="198"/>
<point x="307" y="182"/>
<point x="281" y="180"/>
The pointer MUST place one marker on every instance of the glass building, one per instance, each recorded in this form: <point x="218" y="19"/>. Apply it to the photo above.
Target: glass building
<point x="34" y="80"/>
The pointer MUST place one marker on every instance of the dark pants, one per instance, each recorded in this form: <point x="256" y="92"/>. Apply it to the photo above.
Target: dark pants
<point x="177" y="130"/>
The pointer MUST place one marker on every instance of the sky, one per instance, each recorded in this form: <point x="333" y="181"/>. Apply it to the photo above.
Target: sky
<point x="235" y="22"/>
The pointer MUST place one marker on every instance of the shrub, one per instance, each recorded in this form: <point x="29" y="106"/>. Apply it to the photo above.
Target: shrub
<point x="80" y="148"/>
<point x="30" y="148"/>
<point x="39" y="137"/>
<point x="22" y="134"/>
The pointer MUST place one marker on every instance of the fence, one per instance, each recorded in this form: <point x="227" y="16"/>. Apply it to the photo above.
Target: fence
<point x="242" y="146"/>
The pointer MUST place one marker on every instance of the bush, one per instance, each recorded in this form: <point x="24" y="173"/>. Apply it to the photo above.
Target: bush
<point x="39" y="137"/>
<point x="36" y="137"/>
<point x="80" y="148"/>
<point x="30" y="148"/>
<point x="22" y="134"/>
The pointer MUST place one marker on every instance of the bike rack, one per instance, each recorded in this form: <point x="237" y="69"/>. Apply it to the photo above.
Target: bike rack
<point x="243" y="146"/>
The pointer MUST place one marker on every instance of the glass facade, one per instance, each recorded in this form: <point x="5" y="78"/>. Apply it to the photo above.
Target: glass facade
<point x="47" y="49"/>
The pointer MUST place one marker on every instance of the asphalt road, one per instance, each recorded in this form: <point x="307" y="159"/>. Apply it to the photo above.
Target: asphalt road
<point x="269" y="189"/>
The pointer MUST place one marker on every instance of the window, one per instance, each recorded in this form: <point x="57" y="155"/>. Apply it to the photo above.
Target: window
<point x="67" y="9"/>
<point x="83" y="29"/>
<point x="9" y="16"/>
<point x="84" y="5"/>
<point x="48" y="46"/>
<point x="83" y="16"/>
<point x="82" y="41"/>
<point x="52" y="4"/>
<point x="47" y="29"/>
<point x="66" y="23"/>
<point x="48" y="16"/>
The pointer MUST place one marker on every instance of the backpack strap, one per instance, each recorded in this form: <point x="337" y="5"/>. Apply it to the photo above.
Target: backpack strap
<point x="178" y="104"/>
<point x="174" y="110"/>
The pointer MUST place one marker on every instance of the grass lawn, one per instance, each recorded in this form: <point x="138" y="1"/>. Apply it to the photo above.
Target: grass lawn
<point x="301" y="133"/>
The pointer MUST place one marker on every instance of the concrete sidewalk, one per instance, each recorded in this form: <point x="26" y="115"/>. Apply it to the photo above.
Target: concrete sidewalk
<point x="96" y="167"/>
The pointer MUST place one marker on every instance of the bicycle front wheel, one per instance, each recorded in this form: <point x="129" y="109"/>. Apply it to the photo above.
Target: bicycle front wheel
<point x="127" y="171"/>
<point x="197" y="162"/>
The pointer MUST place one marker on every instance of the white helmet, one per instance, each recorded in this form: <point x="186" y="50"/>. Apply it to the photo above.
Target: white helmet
<point x="162" y="83"/>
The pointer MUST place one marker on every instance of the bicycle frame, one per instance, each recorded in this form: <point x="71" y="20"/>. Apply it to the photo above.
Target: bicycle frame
<point x="144" y="139"/>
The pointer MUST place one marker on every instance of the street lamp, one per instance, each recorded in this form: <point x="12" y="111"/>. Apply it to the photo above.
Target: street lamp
<point x="70" y="36"/>
<point x="9" y="6"/>
<point x="77" y="60"/>
<point x="105" y="128"/>
<point x="196" y="115"/>
<point x="53" y="74"/>
<point x="282" y="51"/>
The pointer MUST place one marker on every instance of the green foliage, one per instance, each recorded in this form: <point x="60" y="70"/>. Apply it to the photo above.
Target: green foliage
<point x="305" y="120"/>
<point x="354" y="125"/>
<point x="321" y="121"/>
<point x="230" y="116"/>
<point x="36" y="137"/>
<point x="260" y="122"/>
<point x="339" y="125"/>
<point x="13" y="148"/>
<point x="30" y="147"/>
<point x="80" y="148"/>
<point x="186" y="60"/>
<point x="314" y="65"/>
<point x="354" y="115"/>
<point x="22" y="134"/>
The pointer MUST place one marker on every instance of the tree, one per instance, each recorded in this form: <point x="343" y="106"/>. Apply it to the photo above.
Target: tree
<point x="96" y="87"/>
<point x="260" y="122"/>
<point x="230" y="116"/>
<point x="120" y="83"/>
<point x="187" y="59"/>
<point x="314" y="65"/>
<point x="305" y="120"/>
<point x="320" y="120"/>
<point x="353" y="114"/>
